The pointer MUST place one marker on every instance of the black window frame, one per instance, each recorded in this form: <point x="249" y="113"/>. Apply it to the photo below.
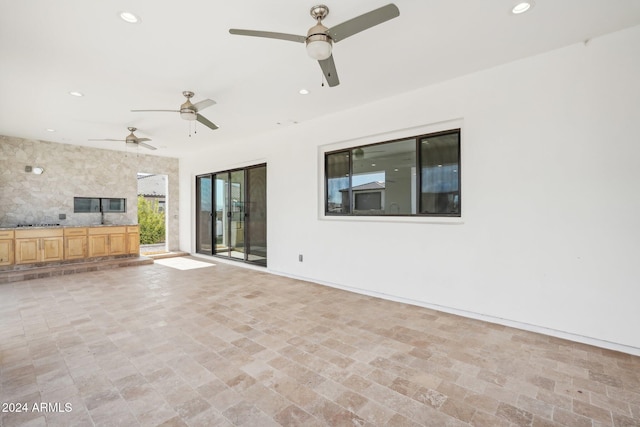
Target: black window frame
<point x="100" y="204"/>
<point x="347" y="152"/>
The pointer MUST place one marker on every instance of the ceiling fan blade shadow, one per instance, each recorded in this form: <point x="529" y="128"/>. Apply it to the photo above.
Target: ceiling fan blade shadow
<point x="201" y="105"/>
<point x="206" y="122"/>
<point x="150" y="147"/>
<point x="146" y="111"/>
<point x="269" y="35"/>
<point x="329" y="71"/>
<point x="360" y="23"/>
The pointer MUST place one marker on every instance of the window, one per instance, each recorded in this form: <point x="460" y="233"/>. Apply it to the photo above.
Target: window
<point x="114" y="205"/>
<point x="86" y="204"/>
<point x="98" y="204"/>
<point x="413" y="176"/>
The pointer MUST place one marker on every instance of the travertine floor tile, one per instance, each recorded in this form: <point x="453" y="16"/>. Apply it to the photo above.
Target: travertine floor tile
<point x="227" y="346"/>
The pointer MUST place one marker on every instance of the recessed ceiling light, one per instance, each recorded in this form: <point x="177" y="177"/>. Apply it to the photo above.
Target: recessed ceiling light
<point x="50" y="130"/>
<point x="304" y="92"/>
<point x="521" y="7"/>
<point x="129" y="17"/>
<point x="74" y="93"/>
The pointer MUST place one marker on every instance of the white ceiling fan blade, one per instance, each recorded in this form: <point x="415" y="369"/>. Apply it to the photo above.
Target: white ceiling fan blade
<point x="269" y="35"/>
<point x="206" y="122"/>
<point x="145" y="111"/>
<point x="329" y="71"/>
<point x="201" y="105"/>
<point x="363" y="22"/>
<point x="119" y="140"/>
<point x="143" y="139"/>
<point x="150" y="147"/>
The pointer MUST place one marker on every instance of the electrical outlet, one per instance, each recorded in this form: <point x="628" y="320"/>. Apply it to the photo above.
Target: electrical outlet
<point x="300" y="257"/>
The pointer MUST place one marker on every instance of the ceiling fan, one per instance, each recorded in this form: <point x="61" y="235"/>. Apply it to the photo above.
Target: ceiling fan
<point x="131" y="140"/>
<point x="319" y="39"/>
<point x="189" y="111"/>
<point x="359" y="153"/>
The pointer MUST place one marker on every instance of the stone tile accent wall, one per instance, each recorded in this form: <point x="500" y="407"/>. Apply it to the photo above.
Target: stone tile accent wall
<point x="76" y="171"/>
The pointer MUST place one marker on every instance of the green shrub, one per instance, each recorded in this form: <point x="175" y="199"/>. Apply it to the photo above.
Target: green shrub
<point x="151" y="221"/>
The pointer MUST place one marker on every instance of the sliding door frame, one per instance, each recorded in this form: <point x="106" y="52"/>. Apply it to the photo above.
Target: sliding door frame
<point x="240" y="208"/>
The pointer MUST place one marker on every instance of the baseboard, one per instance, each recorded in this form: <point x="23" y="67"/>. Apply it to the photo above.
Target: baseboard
<point x="477" y="316"/>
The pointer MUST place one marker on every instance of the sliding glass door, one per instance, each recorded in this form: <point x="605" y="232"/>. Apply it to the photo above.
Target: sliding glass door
<point x="221" y="226"/>
<point x="239" y="222"/>
<point x="256" y="219"/>
<point x="236" y="212"/>
<point x="204" y="215"/>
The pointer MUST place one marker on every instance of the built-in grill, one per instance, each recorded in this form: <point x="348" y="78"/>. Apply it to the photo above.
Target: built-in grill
<point x="38" y="225"/>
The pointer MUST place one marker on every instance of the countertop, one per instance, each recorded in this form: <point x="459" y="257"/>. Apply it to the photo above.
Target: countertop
<point x="63" y="226"/>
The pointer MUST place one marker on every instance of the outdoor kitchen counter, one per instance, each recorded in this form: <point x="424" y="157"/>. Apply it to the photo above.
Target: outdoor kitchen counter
<point x="48" y="243"/>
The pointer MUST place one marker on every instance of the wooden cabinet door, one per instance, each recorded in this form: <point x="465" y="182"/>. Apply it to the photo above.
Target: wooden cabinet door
<point x="27" y="251"/>
<point x="117" y="244"/>
<point x="99" y="245"/>
<point x="134" y="243"/>
<point x="75" y="247"/>
<point x="6" y="251"/>
<point x="52" y="248"/>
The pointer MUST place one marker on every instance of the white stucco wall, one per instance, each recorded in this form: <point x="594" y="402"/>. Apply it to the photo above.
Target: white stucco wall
<point x="549" y="237"/>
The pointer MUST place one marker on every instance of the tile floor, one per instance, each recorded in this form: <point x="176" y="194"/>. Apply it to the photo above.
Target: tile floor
<point x="223" y="345"/>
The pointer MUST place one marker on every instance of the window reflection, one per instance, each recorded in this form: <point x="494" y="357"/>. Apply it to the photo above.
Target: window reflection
<point x="337" y="169"/>
<point x="382" y="179"/>
<point x="383" y="176"/>
<point x="439" y="163"/>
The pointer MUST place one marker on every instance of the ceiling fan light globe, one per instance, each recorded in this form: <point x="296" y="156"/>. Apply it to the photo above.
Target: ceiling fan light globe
<point x="319" y="49"/>
<point x="188" y="115"/>
<point x="131" y="144"/>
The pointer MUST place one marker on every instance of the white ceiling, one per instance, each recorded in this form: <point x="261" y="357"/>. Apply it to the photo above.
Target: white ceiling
<point x="49" y="48"/>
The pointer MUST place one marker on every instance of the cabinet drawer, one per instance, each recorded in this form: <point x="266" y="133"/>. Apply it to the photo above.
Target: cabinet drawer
<point x="133" y="229"/>
<point x="107" y="230"/>
<point x="75" y="231"/>
<point x="6" y="234"/>
<point x="38" y="232"/>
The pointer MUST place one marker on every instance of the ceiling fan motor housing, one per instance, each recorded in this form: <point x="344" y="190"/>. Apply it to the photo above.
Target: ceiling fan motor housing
<point x="131" y="139"/>
<point x="318" y="42"/>
<point x="187" y="112"/>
